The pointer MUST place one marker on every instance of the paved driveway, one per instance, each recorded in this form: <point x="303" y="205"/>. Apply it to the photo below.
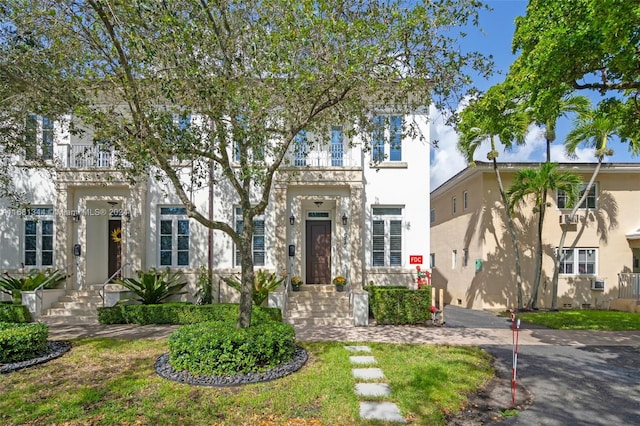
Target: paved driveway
<point x="577" y="378"/>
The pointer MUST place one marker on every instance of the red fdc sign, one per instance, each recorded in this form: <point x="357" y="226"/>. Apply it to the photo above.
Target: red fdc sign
<point x="415" y="260"/>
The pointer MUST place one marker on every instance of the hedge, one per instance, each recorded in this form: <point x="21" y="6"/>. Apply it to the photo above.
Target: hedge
<point x="181" y="313"/>
<point x="400" y="305"/>
<point x="219" y="348"/>
<point x="19" y="342"/>
<point x="14" y="313"/>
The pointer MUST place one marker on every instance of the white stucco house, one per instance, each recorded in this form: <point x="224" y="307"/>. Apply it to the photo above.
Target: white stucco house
<point x="336" y="210"/>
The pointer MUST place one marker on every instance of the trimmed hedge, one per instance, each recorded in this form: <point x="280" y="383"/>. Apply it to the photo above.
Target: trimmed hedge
<point x="181" y="313"/>
<point x="218" y="348"/>
<point x="400" y="305"/>
<point x="20" y="342"/>
<point x="14" y="313"/>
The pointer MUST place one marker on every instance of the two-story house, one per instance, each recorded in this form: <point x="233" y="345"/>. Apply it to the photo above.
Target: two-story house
<point x="472" y="253"/>
<point x="334" y="209"/>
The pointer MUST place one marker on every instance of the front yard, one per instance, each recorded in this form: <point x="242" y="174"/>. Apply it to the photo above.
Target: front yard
<point x="584" y="320"/>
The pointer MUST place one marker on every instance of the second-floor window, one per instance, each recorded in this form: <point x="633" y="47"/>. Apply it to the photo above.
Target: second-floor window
<point x="453" y="205"/>
<point x="38" y="137"/>
<point x="258" y="242"/>
<point x="589" y="202"/>
<point x="387" y="138"/>
<point x="38" y="237"/>
<point x="174" y="236"/>
<point x="300" y="149"/>
<point x="386" y="247"/>
<point x="337" y="146"/>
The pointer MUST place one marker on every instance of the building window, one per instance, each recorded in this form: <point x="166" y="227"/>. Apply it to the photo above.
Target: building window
<point x="465" y="257"/>
<point x="174" y="236"/>
<point x="453" y="205"/>
<point x="589" y="202"/>
<point x="300" y="149"/>
<point x="38" y="137"/>
<point x="386" y="236"/>
<point x="578" y="261"/>
<point x="454" y="259"/>
<point x="387" y="138"/>
<point x="432" y="217"/>
<point x="258" y="243"/>
<point x="337" y="146"/>
<point x="432" y="260"/>
<point x="38" y="237"/>
<point x="465" y="200"/>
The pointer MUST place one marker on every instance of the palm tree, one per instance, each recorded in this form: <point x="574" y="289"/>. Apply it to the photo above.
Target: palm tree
<point x="496" y="115"/>
<point x="549" y="116"/>
<point x="537" y="183"/>
<point x="593" y="129"/>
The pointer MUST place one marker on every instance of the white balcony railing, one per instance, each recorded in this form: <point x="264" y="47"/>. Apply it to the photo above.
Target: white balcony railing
<point x="333" y="156"/>
<point x="87" y="156"/>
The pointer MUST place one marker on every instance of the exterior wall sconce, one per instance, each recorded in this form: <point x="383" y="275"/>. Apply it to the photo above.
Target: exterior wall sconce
<point x="345" y="219"/>
<point x="292" y="219"/>
<point x="127" y="215"/>
<point x="75" y="216"/>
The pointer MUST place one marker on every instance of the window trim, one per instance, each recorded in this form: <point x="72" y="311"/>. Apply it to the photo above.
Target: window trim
<point x="453" y="205"/>
<point x="595" y="188"/>
<point x="386" y="138"/>
<point x="39" y="215"/>
<point x="465" y="200"/>
<point x="237" y="214"/>
<point x="178" y="215"/>
<point x="387" y="218"/>
<point x="576" y="263"/>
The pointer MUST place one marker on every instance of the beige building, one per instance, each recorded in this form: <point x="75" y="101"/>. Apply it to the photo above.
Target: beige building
<point x="472" y="255"/>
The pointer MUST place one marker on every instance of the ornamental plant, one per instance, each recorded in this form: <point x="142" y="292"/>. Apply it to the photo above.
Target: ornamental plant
<point x="296" y="281"/>
<point x="153" y="286"/>
<point x="339" y="280"/>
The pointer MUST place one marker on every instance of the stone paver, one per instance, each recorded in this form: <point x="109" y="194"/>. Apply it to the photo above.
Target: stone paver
<point x="385" y="411"/>
<point x="373" y="389"/>
<point x="358" y="348"/>
<point x="367" y="373"/>
<point x="362" y="360"/>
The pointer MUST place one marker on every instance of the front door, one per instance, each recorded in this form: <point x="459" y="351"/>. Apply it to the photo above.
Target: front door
<point x="318" y="252"/>
<point x="115" y="241"/>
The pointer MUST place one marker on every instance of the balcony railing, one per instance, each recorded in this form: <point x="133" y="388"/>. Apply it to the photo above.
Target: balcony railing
<point x="629" y="286"/>
<point x="86" y="156"/>
<point x="333" y="156"/>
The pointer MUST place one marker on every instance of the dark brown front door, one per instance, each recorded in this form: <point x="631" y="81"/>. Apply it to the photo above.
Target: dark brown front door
<point x="115" y="230"/>
<point x="318" y="252"/>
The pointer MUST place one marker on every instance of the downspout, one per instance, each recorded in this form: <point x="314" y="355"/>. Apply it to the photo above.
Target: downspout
<point x="210" y="232"/>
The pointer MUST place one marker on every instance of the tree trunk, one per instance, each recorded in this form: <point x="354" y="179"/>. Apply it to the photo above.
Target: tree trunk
<point x="533" y="301"/>
<point x="247" y="275"/>
<point x="556" y="269"/>
<point x="512" y="232"/>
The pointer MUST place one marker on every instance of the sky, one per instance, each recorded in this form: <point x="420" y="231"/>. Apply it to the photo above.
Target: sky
<point x="494" y="37"/>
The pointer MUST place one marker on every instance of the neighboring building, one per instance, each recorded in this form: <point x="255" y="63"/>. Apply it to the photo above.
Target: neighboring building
<point x="472" y="253"/>
<point x="333" y="211"/>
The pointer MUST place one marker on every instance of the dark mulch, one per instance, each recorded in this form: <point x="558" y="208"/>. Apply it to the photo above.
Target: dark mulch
<point x="55" y="350"/>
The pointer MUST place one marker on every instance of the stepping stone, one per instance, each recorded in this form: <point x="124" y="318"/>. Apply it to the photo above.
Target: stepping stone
<point x="386" y="411"/>
<point x="358" y="348"/>
<point x="373" y="389"/>
<point x="367" y="373"/>
<point x="362" y="360"/>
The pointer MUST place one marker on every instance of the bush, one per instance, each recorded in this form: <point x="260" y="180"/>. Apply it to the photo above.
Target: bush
<point x="19" y="342"/>
<point x="14" y="313"/>
<point x="181" y="313"/>
<point x="153" y="286"/>
<point x="15" y="285"/>
<point x="218" y="348"/>
<point x="263" y="283"/>
<point x="400" y="305"/>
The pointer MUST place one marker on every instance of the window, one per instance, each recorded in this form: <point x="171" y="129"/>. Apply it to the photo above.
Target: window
<point x="432" y="260"/>
<point x="38" y="137"/>
<point x="432" y="217"/>
<point x="387" y="138"/>
<point x="174" y="236"/>
<point x="578" y="261"/>
<point x="337" y="146"/>
<point x="453" y="205"/>
<point x="258" y="242"/>
<point x="589" y="202"/>
<point x="465" y="200"/>
<point x="386" y="236"/>
<point x="38" y="237"/>
<point x="300" y="149"/>
<point x="465" y="257"/>
<point x="454" y="259"/>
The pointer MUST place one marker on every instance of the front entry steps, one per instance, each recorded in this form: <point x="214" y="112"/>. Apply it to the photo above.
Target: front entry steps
<point x="76" y="307"/>
<point x="318" y="304"/>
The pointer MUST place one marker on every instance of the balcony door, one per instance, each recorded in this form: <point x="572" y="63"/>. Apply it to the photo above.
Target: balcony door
<point x="318" y="252"/>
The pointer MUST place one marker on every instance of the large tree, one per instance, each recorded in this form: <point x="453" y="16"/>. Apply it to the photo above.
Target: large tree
<point x="256" y="73"/>
<point x="496" y="117"/>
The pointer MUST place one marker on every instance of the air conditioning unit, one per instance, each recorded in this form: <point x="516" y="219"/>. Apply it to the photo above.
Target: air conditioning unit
<point x="565" y="219"/>
<point x="597" y="285"/>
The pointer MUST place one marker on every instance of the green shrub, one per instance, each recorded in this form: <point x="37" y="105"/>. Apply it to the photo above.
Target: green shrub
<point x="182" y="313"/>
<point x="204" y="293"/>
<point x="19" y="342"/>
<point x="219" y="348"/>
<point x="263" y="283"/>
<point x="400" y="305"/>
<point x="15" y="285"/>
<point x="153" y="286"/>
<point x="14" y="313"/>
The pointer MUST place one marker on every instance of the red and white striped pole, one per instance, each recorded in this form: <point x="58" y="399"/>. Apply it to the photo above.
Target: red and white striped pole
<point x="515" y="333"/>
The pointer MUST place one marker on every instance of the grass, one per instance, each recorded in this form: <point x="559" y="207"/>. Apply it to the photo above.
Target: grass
<point x="584" y="320"/>
<point x="110" y="381"/>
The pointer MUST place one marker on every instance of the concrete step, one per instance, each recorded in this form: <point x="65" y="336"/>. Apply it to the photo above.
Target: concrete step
<point x="70" y="312"/>
<point x="82" y="293"/>
<point x="68" y="320"/>
<point x="321" y="309"/>
<point x="338" y="322"/>
<point x="312" y="314"/>
<point x="76" y="305"/>
<point x="81" y="299"/>
<point x="317" y="288"/>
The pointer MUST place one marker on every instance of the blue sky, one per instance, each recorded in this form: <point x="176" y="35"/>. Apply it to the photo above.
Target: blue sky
<point x="494" y="37"/>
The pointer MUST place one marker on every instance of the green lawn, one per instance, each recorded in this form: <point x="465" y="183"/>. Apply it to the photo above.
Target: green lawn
<point x="107" y="381"/>
<point x="584" y="320"/>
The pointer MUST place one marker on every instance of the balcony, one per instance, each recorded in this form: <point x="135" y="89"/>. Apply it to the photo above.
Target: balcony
<point x="330" y="157"/>
<point x="86" y="156"/>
